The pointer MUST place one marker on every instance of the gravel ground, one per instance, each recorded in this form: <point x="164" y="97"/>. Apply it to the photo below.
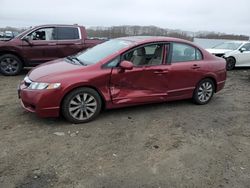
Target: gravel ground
<point x="175" y="144"/>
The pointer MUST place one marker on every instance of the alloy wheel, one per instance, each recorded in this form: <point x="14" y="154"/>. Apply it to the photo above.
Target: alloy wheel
<point x="205" y="92"/>
<point x="82" y="106"/>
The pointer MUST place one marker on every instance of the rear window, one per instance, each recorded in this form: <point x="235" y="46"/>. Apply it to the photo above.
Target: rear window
<point x="67" y="33"/>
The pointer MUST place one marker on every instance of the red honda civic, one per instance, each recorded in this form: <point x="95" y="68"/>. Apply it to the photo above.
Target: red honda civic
<point x="122" y="72"/>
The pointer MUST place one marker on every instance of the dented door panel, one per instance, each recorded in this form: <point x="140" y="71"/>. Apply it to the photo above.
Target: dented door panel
<point x="141" y="84"/>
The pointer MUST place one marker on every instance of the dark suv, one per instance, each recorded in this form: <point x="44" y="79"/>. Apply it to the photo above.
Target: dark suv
<point x="41" y="44"/>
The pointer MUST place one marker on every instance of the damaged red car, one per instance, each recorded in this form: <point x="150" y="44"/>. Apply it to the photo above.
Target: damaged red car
<point x="122" y="72"/>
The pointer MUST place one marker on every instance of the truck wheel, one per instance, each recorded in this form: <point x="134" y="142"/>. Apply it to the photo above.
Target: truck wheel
<point x="81" y="105"/>
<point x="10" y="65"/>
<point x="230" y="63"/>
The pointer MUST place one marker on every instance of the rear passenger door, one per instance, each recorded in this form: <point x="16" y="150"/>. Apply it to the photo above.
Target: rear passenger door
<point x="185" y="70"/>
<point x="69" y="40"/>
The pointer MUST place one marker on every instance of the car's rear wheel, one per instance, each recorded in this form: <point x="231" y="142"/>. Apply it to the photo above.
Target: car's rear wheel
<point x="204" y="91"/>
<point x="81" y="105"/>
<point x="230" y="63"/>
<point x="10" y="65"/>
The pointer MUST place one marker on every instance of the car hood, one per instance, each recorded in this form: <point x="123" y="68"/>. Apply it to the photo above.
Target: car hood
<point x="218" y="51"/>
<point x="52" y="70"/>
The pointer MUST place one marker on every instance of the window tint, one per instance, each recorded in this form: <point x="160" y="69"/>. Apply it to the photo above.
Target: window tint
<point x="42" y="34"/>
<point x="150" y="50"/>
<point x="67" y="33"/>
<point x="146" y="55"/>
<point x="184" y="52"/>
<point x="247" y="46"/>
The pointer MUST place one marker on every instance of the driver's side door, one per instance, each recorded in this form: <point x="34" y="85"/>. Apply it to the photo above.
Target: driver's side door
<point x="146" y="82"/>
<point x="40" y="46"/>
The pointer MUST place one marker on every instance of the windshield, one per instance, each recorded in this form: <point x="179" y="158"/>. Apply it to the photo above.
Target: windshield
<point x="101" y="51"/>
<point x="17" y="36"/>
<point x="228" y="46"/>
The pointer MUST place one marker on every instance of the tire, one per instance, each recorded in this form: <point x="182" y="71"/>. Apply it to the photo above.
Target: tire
<point x="81" y="105"/>
<point x="230" y="63"/>
<point x="10" y="65"/>
<point x="204" y="91"/>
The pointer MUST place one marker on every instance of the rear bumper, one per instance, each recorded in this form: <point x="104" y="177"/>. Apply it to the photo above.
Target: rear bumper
<point x="45" y="103"/>
<point x="220" y="85"/>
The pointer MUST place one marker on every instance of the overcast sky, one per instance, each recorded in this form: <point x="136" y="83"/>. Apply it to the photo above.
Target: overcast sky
<point x="193" y="15"/>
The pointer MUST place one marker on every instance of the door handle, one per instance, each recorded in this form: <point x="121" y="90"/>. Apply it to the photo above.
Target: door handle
<point x="195" y="66"/>
<point x="161" y="72"/>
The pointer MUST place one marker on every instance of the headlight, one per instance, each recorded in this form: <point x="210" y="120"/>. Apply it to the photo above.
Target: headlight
<point x="40" y="86"/>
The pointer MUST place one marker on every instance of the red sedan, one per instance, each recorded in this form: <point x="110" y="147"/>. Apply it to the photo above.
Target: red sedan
<point x="122" y="72"/>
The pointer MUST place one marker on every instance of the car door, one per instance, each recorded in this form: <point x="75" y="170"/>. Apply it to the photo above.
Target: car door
<point x="185" y="71"/>
<point x="40" y="45"/>
<point x="244" y="56"/>
<point x="146" y="82"/>
<point x="69" y="40"/>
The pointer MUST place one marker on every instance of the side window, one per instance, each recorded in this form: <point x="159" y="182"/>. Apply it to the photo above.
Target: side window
<point x="42" y="34"/>
<point x="113" y="63"/>
<point x="67" y="33"/>
<point x="247" y="46"/>
<point x="146" y="55"/>
<point x="184" y="52"/>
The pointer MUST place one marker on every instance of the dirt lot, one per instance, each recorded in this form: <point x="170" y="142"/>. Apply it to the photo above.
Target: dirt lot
<point x="175" y="144"/>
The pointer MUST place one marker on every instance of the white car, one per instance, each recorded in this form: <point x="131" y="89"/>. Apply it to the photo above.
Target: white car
<point x="236" y="53"/>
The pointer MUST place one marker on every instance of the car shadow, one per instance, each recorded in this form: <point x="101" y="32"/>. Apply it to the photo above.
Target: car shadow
<point x="109" y="115"/>
<point x="241" y="69"/>
<point x="141" y="110"/>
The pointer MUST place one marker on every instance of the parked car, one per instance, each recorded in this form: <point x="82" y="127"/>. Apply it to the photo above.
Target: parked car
<point x="122" y="72"/>
<point x="40" y="44"/>
<point x="236" y="53"/>
<point x="7" y="35"/>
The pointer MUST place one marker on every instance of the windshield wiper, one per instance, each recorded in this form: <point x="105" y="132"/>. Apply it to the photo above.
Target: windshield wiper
<point x="73" y="58"/>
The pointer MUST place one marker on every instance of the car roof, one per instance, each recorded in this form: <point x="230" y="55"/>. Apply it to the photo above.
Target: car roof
<point x="148" y="39"/>
<point x="57" y="25"/>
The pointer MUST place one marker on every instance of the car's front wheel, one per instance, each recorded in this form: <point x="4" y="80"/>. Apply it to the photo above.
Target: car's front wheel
<point x="230" y="63"/>
<point x="204" y="91"/>
<point x="81" y="105"/>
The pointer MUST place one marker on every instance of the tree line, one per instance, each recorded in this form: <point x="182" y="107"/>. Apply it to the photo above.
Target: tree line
<point x="123" y="31"/>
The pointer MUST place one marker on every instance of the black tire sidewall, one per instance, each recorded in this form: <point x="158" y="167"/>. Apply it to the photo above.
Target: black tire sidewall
<point x="195" y="95"/>
<point x="20" y="64"/>
<point x="69" y="96"/>
<point x="232" y="62"/>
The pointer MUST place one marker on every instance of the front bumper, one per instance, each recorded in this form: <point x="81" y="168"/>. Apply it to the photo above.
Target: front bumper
<point x="45" y="103"/>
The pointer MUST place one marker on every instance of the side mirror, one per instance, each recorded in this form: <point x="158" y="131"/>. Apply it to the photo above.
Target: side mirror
<point x="126" y="65"/>
<point x="243" y="50"/>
